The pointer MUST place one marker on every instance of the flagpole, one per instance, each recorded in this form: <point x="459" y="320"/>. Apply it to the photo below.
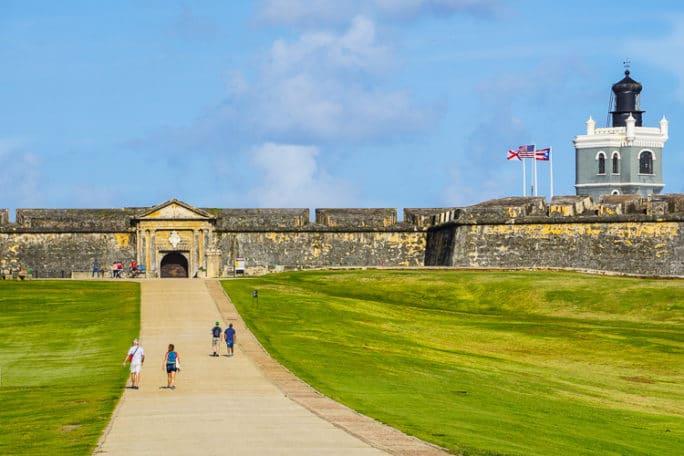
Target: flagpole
<point x="551" y="171"/>
<point x="524" y="178"/>
<point x="534" y="157"/>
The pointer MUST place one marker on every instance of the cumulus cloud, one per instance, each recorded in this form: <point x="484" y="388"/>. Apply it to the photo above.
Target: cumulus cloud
<point x="289" y="175"/>
<point x="323" y="86"/>
<point x="319" y="87"/>
<point x="356" y="49"/>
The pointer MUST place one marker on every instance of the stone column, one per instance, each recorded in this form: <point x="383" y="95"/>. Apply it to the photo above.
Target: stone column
<point x="152" y="267"/>
<point x="213" y="263"/>
<point x="194" y="256"/>
<point x="200" y="249"/>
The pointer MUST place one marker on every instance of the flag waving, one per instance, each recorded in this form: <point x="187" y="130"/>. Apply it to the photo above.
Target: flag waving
<point x="512" y="155"/>
<point x="526" y="151"/>
<point x="543" y="154"/>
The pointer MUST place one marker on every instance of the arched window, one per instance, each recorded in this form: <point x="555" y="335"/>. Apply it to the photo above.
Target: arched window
<point x="615" y="192"/>
<point x="601" y="157"/>
<point x="616" y="163"/>
<point x="646" y="162"/>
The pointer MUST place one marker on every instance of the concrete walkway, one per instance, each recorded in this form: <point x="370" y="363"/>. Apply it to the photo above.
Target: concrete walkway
<point x="243" y="405"/>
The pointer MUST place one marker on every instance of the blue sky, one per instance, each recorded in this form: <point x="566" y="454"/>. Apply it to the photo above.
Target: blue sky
<point x="317" y="103"/>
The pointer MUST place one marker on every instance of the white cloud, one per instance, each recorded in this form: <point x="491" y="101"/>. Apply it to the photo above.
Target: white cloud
<point x="357" y="49"/>
<point x="289" y="175"/>
<point x="323" y="87"/>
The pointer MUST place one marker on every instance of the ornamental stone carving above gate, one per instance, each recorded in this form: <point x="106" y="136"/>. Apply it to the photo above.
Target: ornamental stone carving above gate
<point x="178" y="235"/>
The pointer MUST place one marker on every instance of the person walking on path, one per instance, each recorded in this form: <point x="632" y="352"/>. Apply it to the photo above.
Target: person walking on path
<point x="172" y="364"/>
<point x="136" y="358"/>
<point x="229" y="337"/>
<point x="216" y="339"/>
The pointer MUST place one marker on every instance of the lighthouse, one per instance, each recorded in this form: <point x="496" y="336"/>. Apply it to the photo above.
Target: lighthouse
<point x="625" y="158"/>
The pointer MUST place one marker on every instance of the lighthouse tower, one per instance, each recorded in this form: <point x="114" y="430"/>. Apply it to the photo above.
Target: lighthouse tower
<point x="625" y="158"/>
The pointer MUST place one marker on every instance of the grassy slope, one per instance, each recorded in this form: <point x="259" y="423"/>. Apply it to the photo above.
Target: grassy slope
<point x="61" y="346"/>
<point x="487" y="363"/>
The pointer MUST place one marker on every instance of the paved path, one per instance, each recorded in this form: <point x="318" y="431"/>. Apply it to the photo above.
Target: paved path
<point x="243" y="405"/>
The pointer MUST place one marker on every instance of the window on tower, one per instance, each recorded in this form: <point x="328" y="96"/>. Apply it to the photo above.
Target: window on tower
<point x="601" y="157"/>
<point x="646" y="162"/>
<point x="616" y="163"/>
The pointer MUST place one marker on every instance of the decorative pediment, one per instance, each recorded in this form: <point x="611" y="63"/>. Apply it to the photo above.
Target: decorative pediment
<point x="174" y="209"/>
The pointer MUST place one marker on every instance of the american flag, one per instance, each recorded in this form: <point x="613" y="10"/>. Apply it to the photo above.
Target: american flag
<point x="526" y="151"/>
<point x="543" y="154"/>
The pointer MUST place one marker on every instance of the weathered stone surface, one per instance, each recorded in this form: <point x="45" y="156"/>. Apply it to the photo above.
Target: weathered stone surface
<point x="74" y="220"/>
<point x="620" y="233"/>
<point x="58" y="254"/>
<point x="259" y="219"/>
<point x="356" y="218"/>
<point x="623" y="235"/>
<point x="314" y="249"/>
<point x="424" y="217"/>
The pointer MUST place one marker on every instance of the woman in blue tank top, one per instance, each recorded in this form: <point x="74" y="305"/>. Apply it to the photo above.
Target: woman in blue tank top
<point x="172" y="365"/>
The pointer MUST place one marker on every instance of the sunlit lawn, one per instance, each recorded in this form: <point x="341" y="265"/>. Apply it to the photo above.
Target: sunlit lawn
<point x="61" y="346"/>
<point x="521" y="363"/>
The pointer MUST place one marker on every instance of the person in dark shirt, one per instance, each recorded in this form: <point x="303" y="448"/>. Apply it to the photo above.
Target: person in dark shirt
<point x="216" y="339"/>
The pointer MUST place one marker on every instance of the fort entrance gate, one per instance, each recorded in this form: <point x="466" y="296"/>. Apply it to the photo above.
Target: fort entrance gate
<point x="174" y="265"/>
<point x="172" y="239"/>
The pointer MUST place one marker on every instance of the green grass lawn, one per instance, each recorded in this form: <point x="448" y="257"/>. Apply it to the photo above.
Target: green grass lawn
<point x="61" y="347"/>
<point x="513" y="363"/>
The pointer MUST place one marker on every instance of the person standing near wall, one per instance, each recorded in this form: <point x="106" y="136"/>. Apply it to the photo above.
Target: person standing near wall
<point x="229" y="336"/>
<point x="136" y="358"/>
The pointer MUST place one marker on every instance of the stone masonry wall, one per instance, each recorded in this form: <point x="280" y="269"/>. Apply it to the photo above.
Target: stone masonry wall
<point x="313" y="249"/>
<point x="622" y="233"/>
<point x="57" y="255"/>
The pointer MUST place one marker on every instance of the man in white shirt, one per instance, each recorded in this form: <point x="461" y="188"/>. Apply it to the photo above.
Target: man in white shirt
<point x="135" y="356"/>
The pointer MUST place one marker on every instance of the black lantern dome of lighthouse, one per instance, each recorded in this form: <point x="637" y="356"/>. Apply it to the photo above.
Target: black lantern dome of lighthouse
<point x="626" y="94"/>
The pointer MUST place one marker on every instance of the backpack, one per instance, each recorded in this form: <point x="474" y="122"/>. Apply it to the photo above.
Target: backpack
<point x="216" y="331"/>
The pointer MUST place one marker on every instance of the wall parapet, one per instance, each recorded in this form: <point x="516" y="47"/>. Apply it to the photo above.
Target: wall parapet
<point x="566" y="209"/>
<point x="259" y="219"/>
<point x="356" y="218"/>
<point x="74" y="220"/>
<point x="4" y="216"/>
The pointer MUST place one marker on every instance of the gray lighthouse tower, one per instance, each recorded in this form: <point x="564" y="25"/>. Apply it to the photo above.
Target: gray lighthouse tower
<point x="625" y="158"/>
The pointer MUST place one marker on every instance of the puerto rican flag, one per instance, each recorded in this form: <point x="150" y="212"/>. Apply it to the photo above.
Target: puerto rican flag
<point x="543" y="154"/>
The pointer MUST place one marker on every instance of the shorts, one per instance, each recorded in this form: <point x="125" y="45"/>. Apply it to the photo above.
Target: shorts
<point x="171" y="368"/>
<point x="136" y="367"/>
<point x="229" y="343"/>
<point x="215" y="341"/>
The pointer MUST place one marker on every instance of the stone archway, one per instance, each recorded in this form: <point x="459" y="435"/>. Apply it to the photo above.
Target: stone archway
<point x="174" y="265"/>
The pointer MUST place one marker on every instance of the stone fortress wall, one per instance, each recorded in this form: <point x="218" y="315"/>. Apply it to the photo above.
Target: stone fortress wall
<point x="621" y="233"/>
<point x="57" y="242"/>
